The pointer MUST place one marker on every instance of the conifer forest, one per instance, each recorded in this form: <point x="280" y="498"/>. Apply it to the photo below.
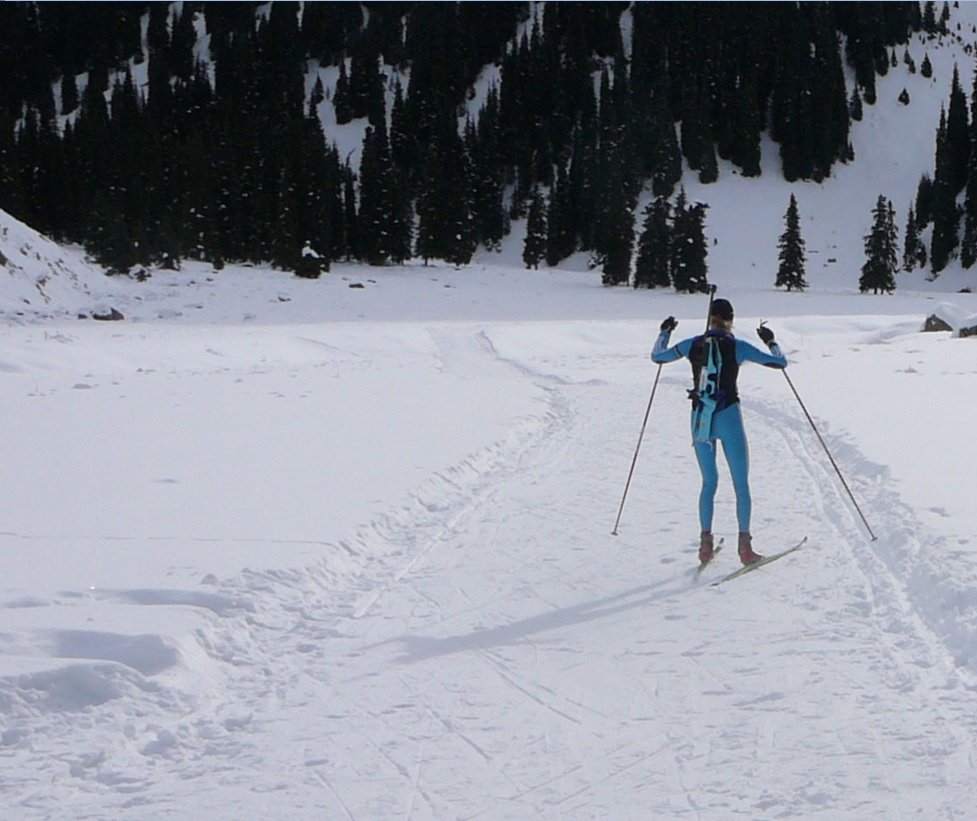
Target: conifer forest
<point x="155" y="132"/>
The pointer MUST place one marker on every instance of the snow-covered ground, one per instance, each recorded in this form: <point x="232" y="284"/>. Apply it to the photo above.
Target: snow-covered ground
<point x="298" y="549"/>
<point x="301" y="550"/>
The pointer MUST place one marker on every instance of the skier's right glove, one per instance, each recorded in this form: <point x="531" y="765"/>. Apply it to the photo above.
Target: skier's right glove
<point x="765" y="334"/>
<point x="669" y="325"/>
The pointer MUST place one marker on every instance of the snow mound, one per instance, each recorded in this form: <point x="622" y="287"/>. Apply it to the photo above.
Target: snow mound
<point x="38" y="277"/>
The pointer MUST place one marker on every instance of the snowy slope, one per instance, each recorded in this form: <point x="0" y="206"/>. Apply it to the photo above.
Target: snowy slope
<point x="39" y="277"/>
<point x="294" y="549"/>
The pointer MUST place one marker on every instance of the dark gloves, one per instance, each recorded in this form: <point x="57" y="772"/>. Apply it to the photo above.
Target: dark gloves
<point x="765" y="334"/>
<point x="669" y="324"/>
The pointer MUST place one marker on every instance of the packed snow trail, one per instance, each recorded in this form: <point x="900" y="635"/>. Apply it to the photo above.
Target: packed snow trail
<point x="485" y="649"/>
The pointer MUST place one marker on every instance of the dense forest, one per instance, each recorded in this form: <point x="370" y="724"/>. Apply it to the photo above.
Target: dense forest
<point x="155" y="132"/>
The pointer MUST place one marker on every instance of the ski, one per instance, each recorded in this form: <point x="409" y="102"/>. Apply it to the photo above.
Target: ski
<point x="756" y="565"/>
<point x="703" y="565"/>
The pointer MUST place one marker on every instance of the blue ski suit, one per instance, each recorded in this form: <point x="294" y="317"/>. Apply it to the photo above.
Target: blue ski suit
<point x="719" y="417"/>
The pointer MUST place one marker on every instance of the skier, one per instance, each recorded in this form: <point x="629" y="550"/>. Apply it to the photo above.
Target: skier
<point x="715" y="357"/>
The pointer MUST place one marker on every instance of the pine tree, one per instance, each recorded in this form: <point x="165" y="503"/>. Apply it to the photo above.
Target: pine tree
<point x="914" y="251"/>
<point x="790" y="275"/>
<point x="855" y="109"/>
<point x="924" y="201"/>
<point x="560" y="234"/>
<point x="926" y="69"/>
<point x="688" y="247"/>
<point x="944" y="210"/>
<point x="619" y="241"/>
<point x="651" y="269"/>
<point x="534" y="248"/>
<point x="69" y="93"/>
<point x="957" y="135"/>
<point x="881" y="251"/>
<point x="351" y="222"/>
<point x="488" y="175"/>
<point x="445" y="229"/>
<point x="342" y="99"/>
<point x="376" y="198"/>
<point x="968" y="247"/>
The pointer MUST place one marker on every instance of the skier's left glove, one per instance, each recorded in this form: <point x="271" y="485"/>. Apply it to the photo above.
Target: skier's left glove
<point x="765" y="334"/>
<point x="669" y="324"/>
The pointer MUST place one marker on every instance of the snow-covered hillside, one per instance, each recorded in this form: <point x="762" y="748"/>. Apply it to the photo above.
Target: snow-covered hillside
<point x="341" y="549"/>
<point x="39" y="277"/>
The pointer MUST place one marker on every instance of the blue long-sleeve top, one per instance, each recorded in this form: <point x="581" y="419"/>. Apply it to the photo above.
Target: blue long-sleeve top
<point x="745" y="352"/>
<point x="732" y="353"/>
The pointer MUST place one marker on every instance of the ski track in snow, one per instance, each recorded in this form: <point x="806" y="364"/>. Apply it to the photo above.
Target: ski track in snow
<point x="487" y="650"/>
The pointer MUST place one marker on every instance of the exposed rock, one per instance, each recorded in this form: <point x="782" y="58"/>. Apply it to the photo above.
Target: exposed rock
<point x="107" y="314"/>
<point x="936" y="323"/>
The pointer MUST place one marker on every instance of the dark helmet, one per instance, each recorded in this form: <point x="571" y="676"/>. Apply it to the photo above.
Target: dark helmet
<point x="722" y="308"/>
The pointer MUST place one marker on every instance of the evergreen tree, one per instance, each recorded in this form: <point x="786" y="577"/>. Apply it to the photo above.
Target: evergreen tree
<point x="534" y="247"/>
<point x="351" y="222"/>
<point x="957" y="136"/>
<point x="619" y="241"/>
<point x="790" y="274"/>
<point x="488" y="175"/>
<point x="968" y="247"/>
<point x="376" y="198"/>
<point x="445" y="229"/>
<point x="560" y="234"/>
<point x="924" y="201"/>
<point x="926" y="69"/>
<point x="11" y="191"/>
<point x="69" y="94"/>
<point x="342" y="100"/>
<point x="914" y="251"/>
<point x="404" y="150"/>
<point x="651" y="268"/>
<point x="944" y="205"/>
<point x="855" y="108"/>
<point x="688" y="247"/>
<point x="881" y="251"/>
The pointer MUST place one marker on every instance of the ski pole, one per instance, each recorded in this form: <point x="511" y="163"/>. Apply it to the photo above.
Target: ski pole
<point x="634" y="461"/>
<point x="644" y="424"/>
<point x="830" y="457"/>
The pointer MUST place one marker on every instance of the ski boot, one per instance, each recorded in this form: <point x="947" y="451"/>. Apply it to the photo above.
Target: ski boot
<point x="706" y="547"/>
<point x="747" y="556"/>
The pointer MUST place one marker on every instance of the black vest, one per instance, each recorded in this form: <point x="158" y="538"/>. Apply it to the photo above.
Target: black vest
<point x="727" y="393"/>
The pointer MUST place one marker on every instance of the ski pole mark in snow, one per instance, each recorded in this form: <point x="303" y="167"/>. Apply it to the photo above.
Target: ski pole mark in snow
<point x="907" y="582"/>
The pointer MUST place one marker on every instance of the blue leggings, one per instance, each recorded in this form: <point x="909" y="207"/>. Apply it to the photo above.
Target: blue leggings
<point x="727" y="427"/>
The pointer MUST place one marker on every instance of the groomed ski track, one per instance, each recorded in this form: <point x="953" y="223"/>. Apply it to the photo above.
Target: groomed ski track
<point x="485" y="649"/>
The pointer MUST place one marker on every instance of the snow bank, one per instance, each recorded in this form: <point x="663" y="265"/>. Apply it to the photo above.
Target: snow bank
<point x="38" y="277"/>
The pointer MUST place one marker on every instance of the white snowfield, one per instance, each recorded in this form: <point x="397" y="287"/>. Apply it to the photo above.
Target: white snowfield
<point x="280" y="549"/>
<point x="257" y="564"/>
